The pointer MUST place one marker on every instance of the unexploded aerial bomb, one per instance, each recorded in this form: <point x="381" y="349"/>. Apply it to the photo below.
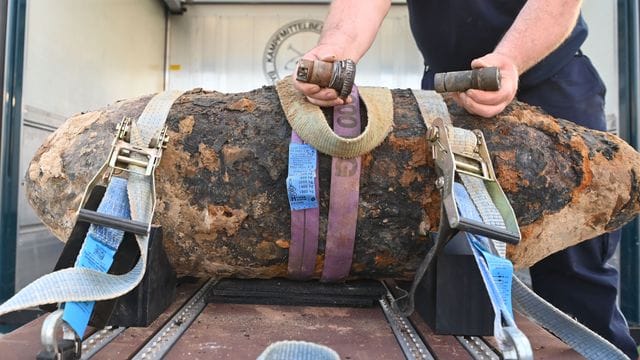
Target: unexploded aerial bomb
<point x="221" y="184"/>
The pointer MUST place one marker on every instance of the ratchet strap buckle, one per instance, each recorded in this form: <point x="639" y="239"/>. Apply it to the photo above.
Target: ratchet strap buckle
<point x="470" y="156"/>
<point x="122" y="155"/>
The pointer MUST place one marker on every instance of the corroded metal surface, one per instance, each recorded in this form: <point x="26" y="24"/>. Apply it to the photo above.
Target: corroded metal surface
<point x="221" y="184"/>
<point x="23" y="342"/>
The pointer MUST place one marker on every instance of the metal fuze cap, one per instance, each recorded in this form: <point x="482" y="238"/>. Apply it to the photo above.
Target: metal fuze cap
<point x="338" y="75"/>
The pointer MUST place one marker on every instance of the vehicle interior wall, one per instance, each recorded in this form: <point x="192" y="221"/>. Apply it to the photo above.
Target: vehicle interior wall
<point x="237" y="47"/>
<point x="79" y="55"/>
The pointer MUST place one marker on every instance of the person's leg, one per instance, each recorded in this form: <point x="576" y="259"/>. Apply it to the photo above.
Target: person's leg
<point x="578" y="280"/>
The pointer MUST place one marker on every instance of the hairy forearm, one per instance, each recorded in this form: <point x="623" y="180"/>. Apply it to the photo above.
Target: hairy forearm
<point x="351" y="26"/>
<point x="540" y="28"/>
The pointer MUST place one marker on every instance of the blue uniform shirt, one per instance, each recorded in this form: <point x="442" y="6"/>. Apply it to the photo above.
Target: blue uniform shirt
<point x="451" y="33"/>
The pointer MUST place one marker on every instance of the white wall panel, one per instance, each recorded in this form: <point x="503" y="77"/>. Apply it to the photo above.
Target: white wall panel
<point x="79" y="55"/>
<point x="221" y="46"/>
<point x="602" y="47"/>
<point x="85" y="54"/>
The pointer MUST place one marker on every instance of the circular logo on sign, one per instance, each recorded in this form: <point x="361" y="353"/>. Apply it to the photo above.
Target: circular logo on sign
<point x="287" y="45"/>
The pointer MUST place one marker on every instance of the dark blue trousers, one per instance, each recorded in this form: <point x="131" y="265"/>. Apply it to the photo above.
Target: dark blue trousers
<point x="578" y="280"/>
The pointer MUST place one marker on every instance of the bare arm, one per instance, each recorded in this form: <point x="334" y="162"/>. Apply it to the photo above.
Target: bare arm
<point x="540" y="27"/>
<point x="352" y="25"/>
<point x="348" y="32"/>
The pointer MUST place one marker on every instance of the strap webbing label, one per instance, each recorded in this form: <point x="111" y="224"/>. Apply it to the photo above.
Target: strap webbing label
<point x="301" y="190"/>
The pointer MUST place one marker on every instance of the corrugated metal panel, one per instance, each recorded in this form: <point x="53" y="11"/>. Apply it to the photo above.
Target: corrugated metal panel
<point x="222" y="47"/>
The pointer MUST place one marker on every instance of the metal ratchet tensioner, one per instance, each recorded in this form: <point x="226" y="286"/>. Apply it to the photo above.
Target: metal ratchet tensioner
<point x="476" y="163"/>
<point x="447" y="163"/>
<point x="122" y="154"/>
<point x="451" y="161"/>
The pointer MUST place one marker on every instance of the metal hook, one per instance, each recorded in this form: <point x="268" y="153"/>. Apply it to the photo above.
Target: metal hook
<point x="50" y="329"/>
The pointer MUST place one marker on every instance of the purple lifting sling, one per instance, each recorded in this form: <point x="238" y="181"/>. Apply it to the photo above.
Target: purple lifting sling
<point x="344" y="196"/>
<point x="343" y="209"/>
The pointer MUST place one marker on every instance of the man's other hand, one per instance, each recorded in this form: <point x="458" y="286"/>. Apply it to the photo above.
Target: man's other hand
<point x="490" y="103"/>
<point x="317" y="95"/>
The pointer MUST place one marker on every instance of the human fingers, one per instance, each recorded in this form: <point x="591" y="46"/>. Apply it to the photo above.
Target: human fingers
<point x="325" y="94"/>
<point x="306" y="88"/>
<point x="487" y="102"/>
<point x="479" y="109"/>
<point x="325" y="103"/>
<point x="324" y="53"/>
<point x="489" y="97"/>
<point x="509" y="73"/>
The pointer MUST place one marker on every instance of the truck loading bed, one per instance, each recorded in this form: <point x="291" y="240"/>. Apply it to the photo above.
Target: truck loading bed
<point x="198" y="325"/>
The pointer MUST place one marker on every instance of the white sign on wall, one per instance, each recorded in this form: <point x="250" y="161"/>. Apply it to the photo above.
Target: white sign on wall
<point x="287" y="45"/>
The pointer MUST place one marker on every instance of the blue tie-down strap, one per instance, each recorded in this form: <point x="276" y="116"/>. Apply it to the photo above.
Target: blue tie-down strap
<point x="99" y="248"/>
<point x="497" y="272"/>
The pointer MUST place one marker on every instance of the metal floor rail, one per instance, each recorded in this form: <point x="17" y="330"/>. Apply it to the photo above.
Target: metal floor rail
<point x="193" y="328"/>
